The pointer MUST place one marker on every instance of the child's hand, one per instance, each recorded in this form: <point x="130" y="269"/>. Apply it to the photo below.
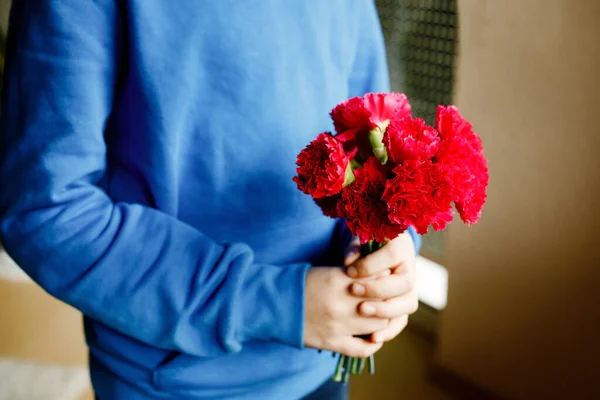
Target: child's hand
<point x="387" y="281"/>
<point x="331" y="319"/>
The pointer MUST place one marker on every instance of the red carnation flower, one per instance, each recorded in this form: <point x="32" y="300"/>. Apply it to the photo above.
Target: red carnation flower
<point x="419" y="195"/>
<point x="355" y="117"/>
<point x="322" y="167"/>
<point x="351" y="115"/>
<point x="461" y="154"/>
<point x="330" y="205"/>
<point x="369" y="111"/>
<point x="362" y="205"/>
<point x="410" y="139"/>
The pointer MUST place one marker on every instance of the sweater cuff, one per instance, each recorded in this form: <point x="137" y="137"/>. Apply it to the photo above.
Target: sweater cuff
<point x="277" y="312"/>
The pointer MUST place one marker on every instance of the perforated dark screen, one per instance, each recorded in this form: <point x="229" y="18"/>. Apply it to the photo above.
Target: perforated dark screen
<point x="421" y="38"/>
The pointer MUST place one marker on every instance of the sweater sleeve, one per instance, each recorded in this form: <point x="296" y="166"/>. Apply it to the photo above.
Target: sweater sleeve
<point x="370" y="70"/>
<point x="131" y="267"/>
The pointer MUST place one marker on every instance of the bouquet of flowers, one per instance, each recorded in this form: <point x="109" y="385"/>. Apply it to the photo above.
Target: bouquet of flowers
<point x="385" y="170"/>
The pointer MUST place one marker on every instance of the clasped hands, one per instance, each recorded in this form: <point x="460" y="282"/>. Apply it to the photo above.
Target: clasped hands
<point x="371" y="297"/>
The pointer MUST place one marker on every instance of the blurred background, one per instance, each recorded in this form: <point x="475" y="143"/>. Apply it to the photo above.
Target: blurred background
<point x="509" y="307"/>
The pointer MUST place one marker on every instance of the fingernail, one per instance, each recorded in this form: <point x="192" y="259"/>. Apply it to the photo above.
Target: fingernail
<point x="352" y="272"/>
<point x="368" y="309"/>
<point x="377" y="338"/>
<point x="358" y="289"/>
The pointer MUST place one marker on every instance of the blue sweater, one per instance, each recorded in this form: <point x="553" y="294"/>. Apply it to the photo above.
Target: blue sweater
<point x="146" y="161"/>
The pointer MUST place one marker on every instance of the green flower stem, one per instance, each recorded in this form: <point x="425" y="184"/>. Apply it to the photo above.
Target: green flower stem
<point x="371" y="365"/>
<point x="338" y="369"/>
<point x="368" y="248"/>
<point x="361" y="365"/>
<point x="355" y="362"/>
<point x="347" y="365"/>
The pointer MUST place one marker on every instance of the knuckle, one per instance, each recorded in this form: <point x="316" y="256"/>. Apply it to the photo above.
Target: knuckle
<point x="330" y="311"/>
<point x="330" y="279"/>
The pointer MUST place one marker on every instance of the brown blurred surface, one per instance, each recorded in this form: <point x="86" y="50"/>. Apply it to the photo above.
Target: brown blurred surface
<point x="38" y="327"/>
<point x="522" y="317"/>
<point x="402" y="372"/>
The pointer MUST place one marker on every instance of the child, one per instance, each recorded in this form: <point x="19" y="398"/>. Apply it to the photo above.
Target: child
<point x="146" y="161"/>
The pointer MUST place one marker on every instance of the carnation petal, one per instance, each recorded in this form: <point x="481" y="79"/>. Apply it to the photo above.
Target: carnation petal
<point x="384" y="107"/>
<point x="410" y="139"/>
<point x="450" y="123"/>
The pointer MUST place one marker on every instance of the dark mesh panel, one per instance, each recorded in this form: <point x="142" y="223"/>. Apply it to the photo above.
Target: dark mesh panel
<point x="421" y="39"/>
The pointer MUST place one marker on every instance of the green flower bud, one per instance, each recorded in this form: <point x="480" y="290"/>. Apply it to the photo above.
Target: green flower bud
<point x="376" y="141"/>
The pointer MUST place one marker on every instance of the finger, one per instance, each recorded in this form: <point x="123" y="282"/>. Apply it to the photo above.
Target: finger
<point x="396" y="326"/>
<point x="390" y="308"/>
<point x="383" y="287"/>
<point x="351" y="257"/>
<point x="385" y="258"/>
<point x="352" y="252"/>
<point x="356" y="347"/>
<point x="366" y="326"/>
<point x="380" y="274"/>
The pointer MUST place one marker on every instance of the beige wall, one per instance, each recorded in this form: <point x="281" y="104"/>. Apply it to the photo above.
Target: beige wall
<point x="523" y="315"/>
